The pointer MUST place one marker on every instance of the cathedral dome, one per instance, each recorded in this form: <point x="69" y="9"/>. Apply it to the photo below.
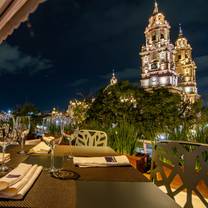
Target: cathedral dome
<point x="157" y="20"/>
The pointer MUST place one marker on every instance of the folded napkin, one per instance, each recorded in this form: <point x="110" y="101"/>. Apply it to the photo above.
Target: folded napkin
<point x="42" y="147"/>
<point x="32" y="141"/>
<point x="20" y="188"/>
<point x="14" y="176"/>
<point x="101" y="161"/>
<point x="6" y="157"/>
<point x="48" y="139"/>
<point x="52" y="141"/>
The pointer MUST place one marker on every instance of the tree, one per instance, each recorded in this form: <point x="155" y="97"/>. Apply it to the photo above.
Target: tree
<point x="25" y="109"/>
<point x="115" y="103"/>
<point x="152" y="112"/>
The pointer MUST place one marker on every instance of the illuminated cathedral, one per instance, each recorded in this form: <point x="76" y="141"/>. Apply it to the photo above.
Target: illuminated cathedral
<point x="166" y="65"/>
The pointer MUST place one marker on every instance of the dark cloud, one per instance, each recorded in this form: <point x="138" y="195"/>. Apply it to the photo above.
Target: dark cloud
<point x="202" y="84"/>
<point x="79" y="82"/>
<point x="105" y="24"/>
<point x="202" y="63"/>
<point x="129" y="74"/>
<point x="13" y="61"/>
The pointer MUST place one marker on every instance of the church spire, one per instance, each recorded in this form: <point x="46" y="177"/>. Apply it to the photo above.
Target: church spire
<point x="185" y="67"/>
<point x="156" y="10"/>
<point x="113" y="72"/>
<point x="113" y="79"/>
<point x="180" y="30"/>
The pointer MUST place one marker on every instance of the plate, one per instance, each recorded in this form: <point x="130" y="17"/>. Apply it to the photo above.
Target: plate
<point x="65" y="175"/>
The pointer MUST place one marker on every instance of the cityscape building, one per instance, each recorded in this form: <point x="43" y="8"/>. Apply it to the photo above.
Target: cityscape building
<point x="185" y="67"/>
<point x="166" y="65"/>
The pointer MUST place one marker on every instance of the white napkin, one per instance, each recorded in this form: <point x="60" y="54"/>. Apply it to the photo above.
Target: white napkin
<point x="51" y="141"/>
<point x="19" y="189"/>
<point x="29" y="184"/>
<point x="42" y="147"/>
<point x="14" y="176"/>
<point x="32" y="142"/>
<point x="101" y="161"/>
<point x="6" y="157"/>
<point x="48" y="139"/>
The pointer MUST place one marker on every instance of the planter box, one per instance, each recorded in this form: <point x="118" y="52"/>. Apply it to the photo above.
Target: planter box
<point x="138" y="161"/>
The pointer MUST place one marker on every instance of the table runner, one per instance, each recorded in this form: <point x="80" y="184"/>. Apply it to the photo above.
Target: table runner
<point x="61" y="193"/>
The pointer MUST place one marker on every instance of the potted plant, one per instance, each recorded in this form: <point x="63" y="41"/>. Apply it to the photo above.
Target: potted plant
<point x="123" y="139"/>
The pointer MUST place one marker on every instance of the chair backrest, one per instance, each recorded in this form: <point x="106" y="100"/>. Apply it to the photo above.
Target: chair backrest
<point x="91" y="138"/>
<point x="185" y="163"/>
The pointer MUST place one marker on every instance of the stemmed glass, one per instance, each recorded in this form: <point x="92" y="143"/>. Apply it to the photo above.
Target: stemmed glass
<point x="22" y="126"/>
<point x="51" y="136"/>
<point x="6" y="137"/>
<point x="67" y="131"/>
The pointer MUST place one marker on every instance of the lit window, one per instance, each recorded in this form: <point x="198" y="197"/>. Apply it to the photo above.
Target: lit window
<point x="154" y="66"/>
<point x="162" y="55"/>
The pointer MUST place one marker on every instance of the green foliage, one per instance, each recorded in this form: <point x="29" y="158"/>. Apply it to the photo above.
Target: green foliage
<point x="150" y="113"/>
<point x="78" y="109"/>
<point x="110" y="105"/>
<point x="23" y="110"/>
<point x="54" y="130"/>
<point x="123" y="138"/>
<point x="34" y="121"/>
<point x="179" y="133"/>
<point x="200" y="134"/>
<point x="93" y="124"/>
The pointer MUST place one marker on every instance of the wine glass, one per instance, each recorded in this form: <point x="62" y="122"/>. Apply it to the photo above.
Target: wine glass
<point x="6" y="137"/>
<point x="69" y="131"/>
<point x="22" y="126"/>
<point x="51" y="136"/>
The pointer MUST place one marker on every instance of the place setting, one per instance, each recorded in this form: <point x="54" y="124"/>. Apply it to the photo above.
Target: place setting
<point x="22" y="129"/>
<point x="103" y="104"/>
<point x="54" y="129"/>
<point x="16" y="183"/>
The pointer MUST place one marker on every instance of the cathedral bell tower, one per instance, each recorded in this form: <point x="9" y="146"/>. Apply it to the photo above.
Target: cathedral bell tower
<point x="158" y="67"/>
<point x="185" y="67"/>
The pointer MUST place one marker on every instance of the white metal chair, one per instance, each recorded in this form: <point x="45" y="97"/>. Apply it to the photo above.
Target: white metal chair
<point x="186" y="163"/>
<point x="91" y="138"/>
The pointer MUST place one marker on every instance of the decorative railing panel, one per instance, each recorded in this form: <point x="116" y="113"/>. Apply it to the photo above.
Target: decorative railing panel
<point x="185" y="163"/>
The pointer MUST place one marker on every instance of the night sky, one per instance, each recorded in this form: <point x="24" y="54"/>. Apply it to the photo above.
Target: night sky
<point x="73" y="46"/>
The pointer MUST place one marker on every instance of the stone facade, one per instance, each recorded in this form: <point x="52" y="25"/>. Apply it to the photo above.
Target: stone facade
<point x="185" y="67"/>
<point x="160" y="63"/>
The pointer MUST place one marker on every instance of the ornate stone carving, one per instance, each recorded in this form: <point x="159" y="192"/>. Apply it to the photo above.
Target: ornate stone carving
<point x="157" y="53"/>
<point x="185" y="67"/>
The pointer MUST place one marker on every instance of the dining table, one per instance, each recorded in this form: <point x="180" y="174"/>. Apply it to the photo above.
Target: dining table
<point x="96" y="187"/>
